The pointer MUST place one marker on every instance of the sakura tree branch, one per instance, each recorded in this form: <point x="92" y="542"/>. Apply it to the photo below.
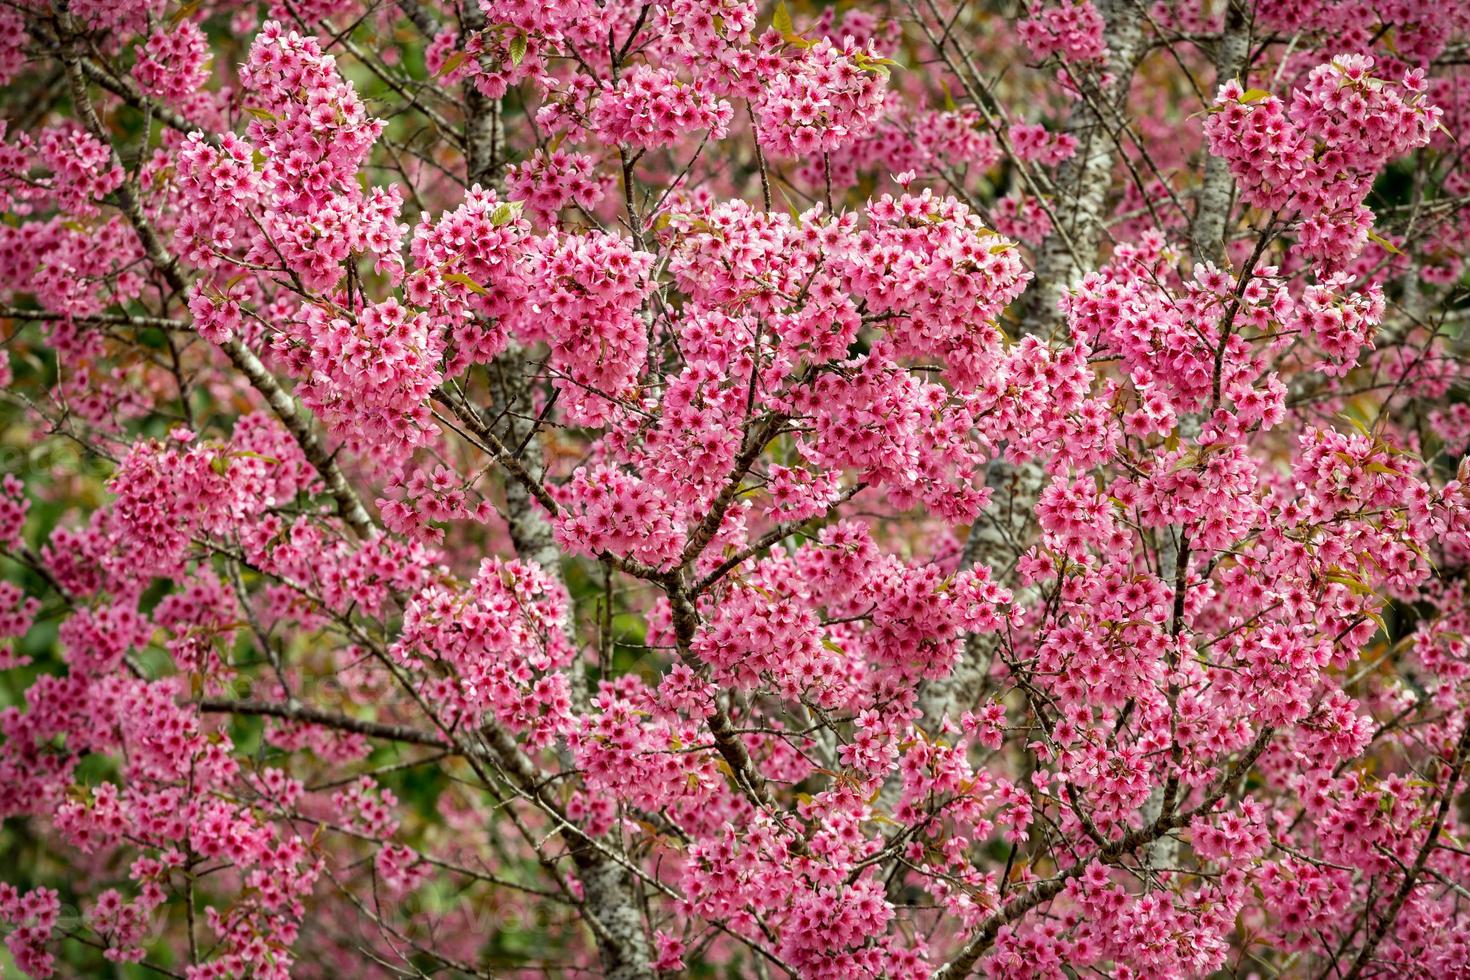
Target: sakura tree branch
<point x="118" y="84"/>
<point x="1217" y="190"/>
<point x="1084" y="178"/>
<point x="755" y="444"/>
<point x="771" y="537"/>
<point x="981" y="941"/>
<point x="489" y="443"/>
<point x="101" y="319"/>
<point x="307" y="714"/>
<point x="1411" y="877"/>
<point x="348" y="505"/>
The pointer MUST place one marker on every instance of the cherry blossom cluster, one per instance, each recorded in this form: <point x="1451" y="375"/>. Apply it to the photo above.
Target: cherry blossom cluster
<point x="301" y="207"/>
<point x="503" y="642"/>
<point x="548" y="182"/>
<point x="173" y="65"/>
<point x="72" y="170"/>
<point x="495" y="61"/>
<point x="652" y="107"/>
<point x="1315" y="159"/>
<point x="169" y="492"/>
<point x="739" y="486"/>
<point x="1073" y="30"/>
<point x="30" y="918"/>
<point x="826" y="96"/>
<point x="370" y="376"/>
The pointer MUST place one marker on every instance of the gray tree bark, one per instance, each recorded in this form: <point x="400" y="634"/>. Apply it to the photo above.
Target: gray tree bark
<point x="610" y="902"/>
<point x="1066" y="255"/>
<point x="1207" y="234"/>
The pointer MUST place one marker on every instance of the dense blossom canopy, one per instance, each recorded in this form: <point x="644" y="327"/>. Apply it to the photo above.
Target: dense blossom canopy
<point x="910" y="489"/>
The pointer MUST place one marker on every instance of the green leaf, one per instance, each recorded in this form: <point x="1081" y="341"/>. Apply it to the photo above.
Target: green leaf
<point x="252" y="454"/>
<point x="451" y="63"/>
<point x="878" y="66"/>
<point x="1388" y="246"/>
<point x="781" y="21"/>
<point x="1354" y="584"/>
<point x="505" y="213"/>
<point x="185" y="11"/>
<point x="790" y="207"/>
<point x="466" y="282"/>
<point x="1354" y="421"/>
<point x="517" y="49"/>
<point x="1253" y="95"/>
<point x="1377" y="619"/>
<point x="264" y="115"/>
